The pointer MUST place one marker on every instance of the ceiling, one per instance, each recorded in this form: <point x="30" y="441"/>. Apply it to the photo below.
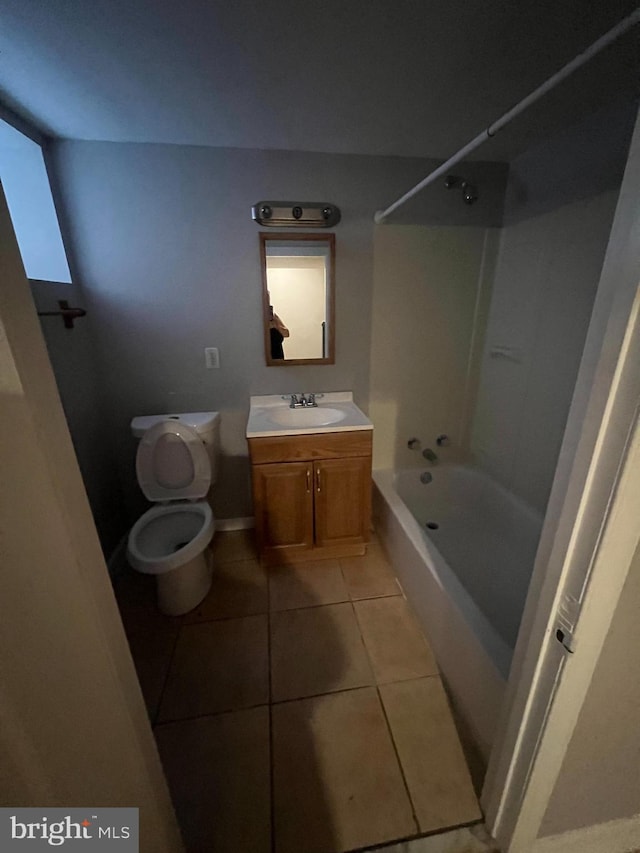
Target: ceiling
<point x="396" y="77"/>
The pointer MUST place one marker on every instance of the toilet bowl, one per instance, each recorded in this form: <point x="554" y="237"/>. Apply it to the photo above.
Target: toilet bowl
<point x="169" y="542"/>
<point x="174" y="465"/>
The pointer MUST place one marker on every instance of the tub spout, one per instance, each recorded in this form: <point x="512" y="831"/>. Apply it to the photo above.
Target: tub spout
<point x="430" y="455"/>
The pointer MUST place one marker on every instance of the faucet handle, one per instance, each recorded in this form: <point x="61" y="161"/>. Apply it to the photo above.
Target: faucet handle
<point x="303" y="400"/>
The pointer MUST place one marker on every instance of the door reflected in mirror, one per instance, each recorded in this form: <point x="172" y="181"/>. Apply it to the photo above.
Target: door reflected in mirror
<point x="298" y="297"/>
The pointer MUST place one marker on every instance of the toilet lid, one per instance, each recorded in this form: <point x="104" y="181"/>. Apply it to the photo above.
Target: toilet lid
<point x="172" y="463"/>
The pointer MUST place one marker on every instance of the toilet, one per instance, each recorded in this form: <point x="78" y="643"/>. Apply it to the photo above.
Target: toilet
<point x="176" y="465"/>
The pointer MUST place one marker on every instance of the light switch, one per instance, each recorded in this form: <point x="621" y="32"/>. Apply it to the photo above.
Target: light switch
<point x="211" y="357"/>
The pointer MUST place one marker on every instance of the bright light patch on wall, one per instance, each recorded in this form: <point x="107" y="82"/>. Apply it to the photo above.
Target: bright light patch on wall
<point x="28" y="193"/>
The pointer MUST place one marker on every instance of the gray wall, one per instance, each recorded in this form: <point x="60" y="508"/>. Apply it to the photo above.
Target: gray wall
<point x="600" y="776"/>
<point x="75" y="366"/>
<point x="559" y="207"/>
<point x="71" y="351"/>
<point x="167" y="256"/>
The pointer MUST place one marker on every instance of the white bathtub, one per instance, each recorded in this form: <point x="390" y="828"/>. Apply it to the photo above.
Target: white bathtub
<point x="467" y="579"/>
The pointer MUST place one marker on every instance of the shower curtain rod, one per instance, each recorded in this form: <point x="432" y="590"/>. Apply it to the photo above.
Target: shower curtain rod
<point x="605" y="40"/>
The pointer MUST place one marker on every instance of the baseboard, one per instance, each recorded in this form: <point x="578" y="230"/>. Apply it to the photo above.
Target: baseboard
<point x="616" y="836"/>
<point x="235" y="523"/>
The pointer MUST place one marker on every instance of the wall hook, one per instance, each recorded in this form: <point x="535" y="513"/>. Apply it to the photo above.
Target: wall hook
<point x="68" y="314"/>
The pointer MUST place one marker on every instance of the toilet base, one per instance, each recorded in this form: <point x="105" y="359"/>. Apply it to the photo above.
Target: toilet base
<point x="181" y="590"/>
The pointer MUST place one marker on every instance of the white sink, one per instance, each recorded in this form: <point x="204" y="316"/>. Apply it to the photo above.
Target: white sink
<point x="313" y="417"/>
<point x="270" y="415"/>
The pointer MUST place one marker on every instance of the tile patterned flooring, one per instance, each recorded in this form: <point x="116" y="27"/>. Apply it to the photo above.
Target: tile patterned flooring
<point x="300" y="709"/>
<point x="473" y="839"/>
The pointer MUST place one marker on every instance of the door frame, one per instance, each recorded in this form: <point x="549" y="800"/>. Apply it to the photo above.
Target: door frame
<point x="597" y="480"/>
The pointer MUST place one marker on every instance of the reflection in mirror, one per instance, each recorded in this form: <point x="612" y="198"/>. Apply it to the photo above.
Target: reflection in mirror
<point x="298" y="297"/>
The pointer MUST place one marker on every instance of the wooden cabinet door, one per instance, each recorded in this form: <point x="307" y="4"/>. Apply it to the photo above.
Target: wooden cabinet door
<point x="342" y="500"/>
<point x="283" y="505"/>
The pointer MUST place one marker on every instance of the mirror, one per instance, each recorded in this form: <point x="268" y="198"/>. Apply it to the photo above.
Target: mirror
<point x="298" y="298"/>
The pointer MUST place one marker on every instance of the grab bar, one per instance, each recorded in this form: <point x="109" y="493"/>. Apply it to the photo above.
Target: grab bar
<point x="68" y="314"/>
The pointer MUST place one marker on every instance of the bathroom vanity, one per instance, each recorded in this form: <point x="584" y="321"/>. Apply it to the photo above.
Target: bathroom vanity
<point x="311" y="475"/>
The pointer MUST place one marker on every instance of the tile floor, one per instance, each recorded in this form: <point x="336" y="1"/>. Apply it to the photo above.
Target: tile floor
<point x="299" y="708"/>
<point x="473" y="839"/>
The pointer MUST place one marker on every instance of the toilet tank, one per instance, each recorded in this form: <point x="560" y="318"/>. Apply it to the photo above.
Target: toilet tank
<point x="206" y="424"/>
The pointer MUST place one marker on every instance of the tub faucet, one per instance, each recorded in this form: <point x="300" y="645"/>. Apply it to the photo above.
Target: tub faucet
<point x="430" y="455"/>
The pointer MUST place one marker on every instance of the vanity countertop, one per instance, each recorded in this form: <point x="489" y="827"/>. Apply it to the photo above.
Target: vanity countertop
<point x="271" y="415"/>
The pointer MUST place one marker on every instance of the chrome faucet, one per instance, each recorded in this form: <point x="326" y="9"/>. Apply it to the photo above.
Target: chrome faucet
<point x="302" y="401"/>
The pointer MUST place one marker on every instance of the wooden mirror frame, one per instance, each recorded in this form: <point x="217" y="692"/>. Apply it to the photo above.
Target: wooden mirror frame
<point x="327" y="238"/>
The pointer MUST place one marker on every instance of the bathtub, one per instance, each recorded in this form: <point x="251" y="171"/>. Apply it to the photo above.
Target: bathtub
<point x="463" y="549"/>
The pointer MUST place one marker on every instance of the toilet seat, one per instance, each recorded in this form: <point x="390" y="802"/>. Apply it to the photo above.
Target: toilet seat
<point x="168" y="536"/>
<point x="165" y="452"/>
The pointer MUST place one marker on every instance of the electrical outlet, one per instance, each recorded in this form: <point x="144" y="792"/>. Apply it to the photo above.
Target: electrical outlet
<point x="211" y="357"/>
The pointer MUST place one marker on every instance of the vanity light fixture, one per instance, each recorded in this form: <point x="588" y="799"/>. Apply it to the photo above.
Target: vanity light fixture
<point x="295" y="214"/>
